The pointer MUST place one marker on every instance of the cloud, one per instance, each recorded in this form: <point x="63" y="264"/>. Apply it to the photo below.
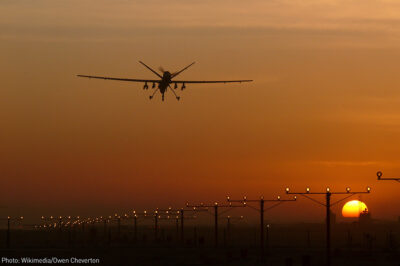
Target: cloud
<point x="346" y="163"/>
<point x="279" y="14"/>
<point x="315" y="24"/>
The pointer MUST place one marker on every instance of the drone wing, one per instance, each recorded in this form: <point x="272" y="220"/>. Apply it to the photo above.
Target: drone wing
<point x="120" y="79"/>
<point x="211" y="81"/>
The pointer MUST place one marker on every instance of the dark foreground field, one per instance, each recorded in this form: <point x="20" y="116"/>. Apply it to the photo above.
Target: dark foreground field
<point x="284" y="245"/>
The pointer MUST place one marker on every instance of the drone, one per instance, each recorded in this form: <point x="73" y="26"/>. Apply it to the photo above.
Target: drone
<point x="165" y="81"/>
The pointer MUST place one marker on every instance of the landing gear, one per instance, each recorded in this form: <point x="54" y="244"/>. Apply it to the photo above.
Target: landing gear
<point x="154" y="85"/>
<point x="151" y="96"/>
<point x="176" y="86"/>
<point x="183" y="86"/>
<point x="162" y="91"/>
<point x="145" y="87"/>
<point x="177" y="97"/>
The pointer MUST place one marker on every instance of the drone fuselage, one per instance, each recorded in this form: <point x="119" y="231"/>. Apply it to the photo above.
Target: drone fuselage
<point x="164" y="83"/>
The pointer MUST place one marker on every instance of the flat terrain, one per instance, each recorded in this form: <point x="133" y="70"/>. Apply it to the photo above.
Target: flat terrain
<point x="302" y="244"/>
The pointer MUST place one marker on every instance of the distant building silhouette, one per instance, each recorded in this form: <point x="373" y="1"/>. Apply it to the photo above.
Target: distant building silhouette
<point x="365" y="218"/>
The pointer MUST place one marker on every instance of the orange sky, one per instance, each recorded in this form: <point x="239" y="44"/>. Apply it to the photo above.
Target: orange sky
<point x="324" y="109"/>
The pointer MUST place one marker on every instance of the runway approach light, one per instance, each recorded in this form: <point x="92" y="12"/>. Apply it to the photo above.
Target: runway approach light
<point x="379" y="174"/>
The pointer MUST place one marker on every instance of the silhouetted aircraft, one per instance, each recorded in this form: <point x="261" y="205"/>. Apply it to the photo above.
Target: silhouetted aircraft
<point x="165" y="80"/>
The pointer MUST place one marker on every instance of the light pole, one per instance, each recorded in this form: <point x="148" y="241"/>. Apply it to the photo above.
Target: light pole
<point x="8" y="234"/>
<point x="105" y="221"/>
<point x="156" y="216"/>
<point x="180" y="215"/>
<point x="228" y="225"/>
<point x="328" y="193"/>
<point x="145" y="214"/>
<point x="169" y="215"/>
<point x="134" y="216"/>
<point x="215" y="206"/>
<point x="261" y="210"/>
<point x="380" y="174"/>
<point x="156" y="225"/>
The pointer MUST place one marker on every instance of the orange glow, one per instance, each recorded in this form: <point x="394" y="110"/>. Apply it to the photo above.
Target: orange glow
<point x="353" y="208"/>
<point x="323" y="112"/>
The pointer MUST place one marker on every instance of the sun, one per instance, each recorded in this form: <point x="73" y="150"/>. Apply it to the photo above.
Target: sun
<point x="354" y="208"/>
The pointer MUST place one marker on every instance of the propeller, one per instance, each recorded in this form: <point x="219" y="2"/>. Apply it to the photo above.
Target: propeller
<point x="161" y="69"/>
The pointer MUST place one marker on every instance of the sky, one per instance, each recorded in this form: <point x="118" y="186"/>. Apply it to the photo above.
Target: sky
<point x="323" y="110"/>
